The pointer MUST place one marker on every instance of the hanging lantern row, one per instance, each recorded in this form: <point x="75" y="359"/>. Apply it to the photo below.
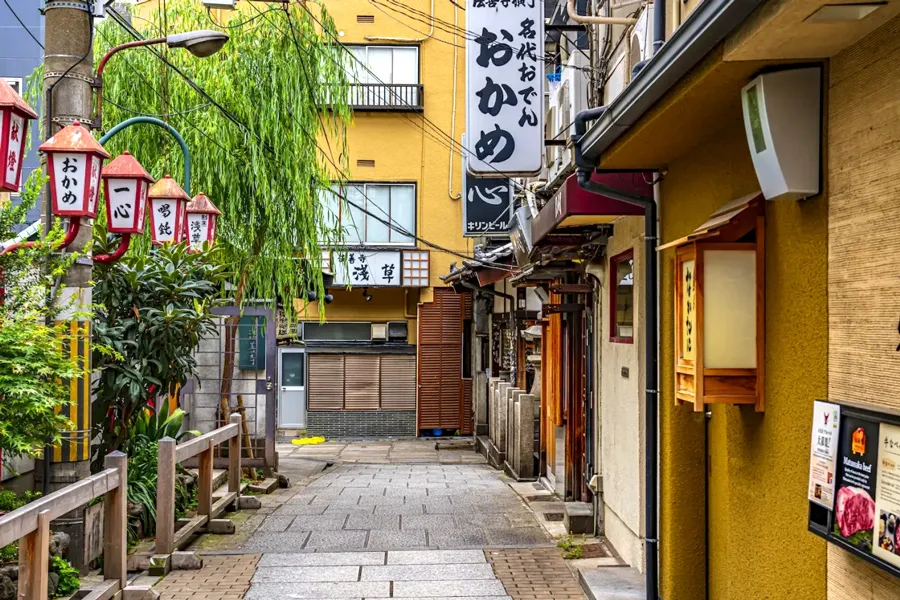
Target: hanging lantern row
<point x="15" y="117"/>
<point x="75" y="163"/>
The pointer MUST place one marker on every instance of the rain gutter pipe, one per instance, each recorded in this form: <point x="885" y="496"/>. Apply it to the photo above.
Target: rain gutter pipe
<point x="591" y="20"/>
<point x="584" y="169"/>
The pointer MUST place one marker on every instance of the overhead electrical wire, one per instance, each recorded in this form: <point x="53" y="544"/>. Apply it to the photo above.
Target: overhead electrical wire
<point x="134" y="33"/>
<point x="25" y="27"/>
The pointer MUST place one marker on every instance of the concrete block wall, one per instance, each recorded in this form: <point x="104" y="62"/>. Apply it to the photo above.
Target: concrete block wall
<point x="361" y="423"/>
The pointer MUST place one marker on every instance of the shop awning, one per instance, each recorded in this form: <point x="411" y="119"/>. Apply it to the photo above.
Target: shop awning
<point x="733" y="215"/>
<point x="573" y="206"/>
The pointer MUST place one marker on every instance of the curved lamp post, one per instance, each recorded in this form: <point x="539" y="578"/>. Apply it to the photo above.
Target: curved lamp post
<point x="200" y="43"/>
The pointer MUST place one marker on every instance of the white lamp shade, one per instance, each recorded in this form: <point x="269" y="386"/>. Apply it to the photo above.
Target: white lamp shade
<point x="729" y="309"/>
<point x="12" y="148"/>
<point x="126" y="200"/>
<point x="74" y="183"/>
<point x="167" y="220"/>
<point x="201" y="228"/>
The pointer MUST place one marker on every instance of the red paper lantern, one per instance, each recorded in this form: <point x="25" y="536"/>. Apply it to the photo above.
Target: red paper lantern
<point x="15" y="116"/>
<point x="167" y="217"/>
<point x="74" y="159"/>
<point x="202" y="215"/>
<point x="126" y="185"/>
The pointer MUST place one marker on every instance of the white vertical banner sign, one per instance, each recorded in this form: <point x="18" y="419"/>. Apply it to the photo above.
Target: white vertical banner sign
<point x="505" y="87"/>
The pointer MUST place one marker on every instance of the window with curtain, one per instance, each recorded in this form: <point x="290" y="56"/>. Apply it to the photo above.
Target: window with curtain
<point x="390" y="207"/>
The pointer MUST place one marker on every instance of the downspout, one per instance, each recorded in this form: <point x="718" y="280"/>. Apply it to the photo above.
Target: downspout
<point x="651" y="399"/>
<point x="659" y="24"/>
<point x="590" y="20"/>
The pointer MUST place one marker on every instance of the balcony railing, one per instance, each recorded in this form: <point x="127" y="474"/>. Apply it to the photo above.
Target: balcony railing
<point x="406" y="97"/>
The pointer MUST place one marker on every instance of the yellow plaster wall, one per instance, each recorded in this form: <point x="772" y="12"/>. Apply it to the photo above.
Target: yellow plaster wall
<point x="757" y="468"/>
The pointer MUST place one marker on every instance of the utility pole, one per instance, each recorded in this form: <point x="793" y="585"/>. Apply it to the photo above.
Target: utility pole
<point x="68" y="80"/>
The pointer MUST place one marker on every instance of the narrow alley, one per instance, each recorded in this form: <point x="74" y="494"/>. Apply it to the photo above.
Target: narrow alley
<point x="382" y="520"/>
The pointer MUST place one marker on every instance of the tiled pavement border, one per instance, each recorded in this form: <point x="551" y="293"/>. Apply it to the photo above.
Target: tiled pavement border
<point x="223" y="577"/>
<point x="534" y="574"/>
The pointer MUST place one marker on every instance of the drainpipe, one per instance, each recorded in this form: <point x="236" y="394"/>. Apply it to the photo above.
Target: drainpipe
<point x="590" y="20"/>
<point x="651" y="399"/>
<point x="659" y="24"/>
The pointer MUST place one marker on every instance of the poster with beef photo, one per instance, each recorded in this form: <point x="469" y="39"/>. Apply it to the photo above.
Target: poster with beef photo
<point x="854" y="504"/>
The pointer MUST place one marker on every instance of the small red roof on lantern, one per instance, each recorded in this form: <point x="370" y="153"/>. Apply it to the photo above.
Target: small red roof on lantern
<point x="73" y="138"/>
<point x="168" y="188"/>
<point x="9" y="97"/>
<point x="125" y="166"/>
<point x="201" y="204"/>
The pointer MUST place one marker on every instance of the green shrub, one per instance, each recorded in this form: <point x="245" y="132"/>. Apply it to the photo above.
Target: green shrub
<point x="69" y="581"/>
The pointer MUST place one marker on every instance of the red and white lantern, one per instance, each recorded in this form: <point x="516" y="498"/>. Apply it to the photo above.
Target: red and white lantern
<point x="167" y="217"/>
<point x="74" y="159"/>
<point x="15" y="116"/>
<point x="202" y="215"/>
<point x="126" y="184"/>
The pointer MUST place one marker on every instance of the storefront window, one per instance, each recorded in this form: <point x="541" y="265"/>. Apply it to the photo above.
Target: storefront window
<point x="621" y="269"/>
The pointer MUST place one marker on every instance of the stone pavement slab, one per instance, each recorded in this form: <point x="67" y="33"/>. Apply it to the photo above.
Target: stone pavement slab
<point x="324" y="559"/>
<point x="447" y="588"/>
<point x="397" y="540"/>
<point x="320" y="591"/>
<point x="435" y="557"/>
<point x="426" y="572"/>
<point x="306" y="574"/>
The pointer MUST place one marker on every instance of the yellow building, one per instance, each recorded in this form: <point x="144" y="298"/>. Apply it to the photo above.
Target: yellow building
<point x="356" y="373"/>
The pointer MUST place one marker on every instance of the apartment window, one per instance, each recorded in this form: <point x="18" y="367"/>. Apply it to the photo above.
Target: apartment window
<point x="15" y="83"/>
<point x="390" y="207"/>
<point x="384" y="76"/>
<point x="621" y="300"/>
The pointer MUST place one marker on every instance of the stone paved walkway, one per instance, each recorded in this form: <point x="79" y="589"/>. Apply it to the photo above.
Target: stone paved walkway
<point x="398" y="519"/>
<point x="398" y="507"/>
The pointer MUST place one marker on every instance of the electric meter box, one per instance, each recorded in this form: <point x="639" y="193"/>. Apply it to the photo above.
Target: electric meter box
<point x="783" y="122"/>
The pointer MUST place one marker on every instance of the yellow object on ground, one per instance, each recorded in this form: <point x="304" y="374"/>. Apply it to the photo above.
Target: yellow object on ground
<point x="308" y="441"/>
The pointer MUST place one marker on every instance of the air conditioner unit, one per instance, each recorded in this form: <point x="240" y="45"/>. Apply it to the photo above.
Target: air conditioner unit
<point x="782" y="119"/>
<point x="641" y="42"/>
<point x="379" y="332"/>
<point x="397" y="331"/>
<point x="566" y="100"/>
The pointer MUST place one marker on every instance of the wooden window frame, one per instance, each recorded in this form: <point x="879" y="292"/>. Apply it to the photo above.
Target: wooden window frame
<point x="613" y="286"/>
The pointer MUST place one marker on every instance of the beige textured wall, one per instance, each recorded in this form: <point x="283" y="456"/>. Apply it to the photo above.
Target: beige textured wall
<point x="863" y="261"/>
<point x="622" y="407"/>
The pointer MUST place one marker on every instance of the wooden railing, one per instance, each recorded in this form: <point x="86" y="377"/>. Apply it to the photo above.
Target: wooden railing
<point x="170" y="455"/>
<point x="30" y="525"/>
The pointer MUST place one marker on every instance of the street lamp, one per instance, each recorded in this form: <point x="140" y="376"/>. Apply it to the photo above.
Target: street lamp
<point x="126" y="186"/>
<point x="167" y="217"/>
<point x="201" y="43"/>
<point x="202" y="215"/>
<point x="74" y="159"/>
<point x="15" y="114"/>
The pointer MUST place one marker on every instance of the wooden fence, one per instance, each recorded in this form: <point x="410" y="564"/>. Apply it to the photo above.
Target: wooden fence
<point x="170" y="455"/>
<point x="30" y="525"/>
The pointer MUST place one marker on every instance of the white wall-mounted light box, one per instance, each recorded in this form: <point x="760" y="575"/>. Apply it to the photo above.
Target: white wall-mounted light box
<point x="783" y="122"/>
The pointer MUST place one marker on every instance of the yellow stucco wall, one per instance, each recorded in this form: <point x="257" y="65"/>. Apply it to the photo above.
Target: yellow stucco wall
<point x="757" y="469"/>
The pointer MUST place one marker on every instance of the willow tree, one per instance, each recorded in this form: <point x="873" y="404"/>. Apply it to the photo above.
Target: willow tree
<point x="260" y="140"/>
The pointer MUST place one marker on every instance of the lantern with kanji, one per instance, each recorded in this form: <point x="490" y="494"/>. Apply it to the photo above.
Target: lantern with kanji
<point x="74" y="159"/>
<point x="167" y="204"/>
<point x="15" y="115"/>
<point x="126" y="185"/>
<point x="202" y="215"/>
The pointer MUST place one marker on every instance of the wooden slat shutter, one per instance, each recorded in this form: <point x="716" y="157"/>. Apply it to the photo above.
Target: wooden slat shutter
<point x="440" y="361"/>
<point x="398" y="382"/>
<point x="326" y="382"/>
<point x="466" y="426"/>
<point x="361" y="381"/>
